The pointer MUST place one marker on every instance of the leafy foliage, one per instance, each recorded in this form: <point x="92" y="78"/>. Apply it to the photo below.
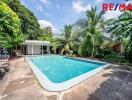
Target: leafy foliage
<point x="67" y="41"/>
<point x="122" y="29"/>
<point x="10" y="34"/>
<point x="92" y="33"/>
<point x="29" y="23"/>
<point x="46" y="35"/>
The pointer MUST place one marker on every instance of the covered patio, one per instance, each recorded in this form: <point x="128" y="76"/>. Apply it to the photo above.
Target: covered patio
<point x="35" y="47"/>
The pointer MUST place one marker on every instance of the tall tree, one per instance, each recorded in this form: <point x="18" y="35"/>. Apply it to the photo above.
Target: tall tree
<point x="67" y="40"/>
<point x="10" y="34"/>
<point x="29" y="23"/>
<point x="92" y="32"/>
<point x="46" y="34"/>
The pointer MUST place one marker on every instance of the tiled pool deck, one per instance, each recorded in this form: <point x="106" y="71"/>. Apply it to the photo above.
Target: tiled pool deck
<point x="114" y="83"/>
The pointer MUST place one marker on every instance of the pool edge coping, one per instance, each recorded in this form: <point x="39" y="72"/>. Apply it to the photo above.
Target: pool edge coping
<point x="55" y="87"/>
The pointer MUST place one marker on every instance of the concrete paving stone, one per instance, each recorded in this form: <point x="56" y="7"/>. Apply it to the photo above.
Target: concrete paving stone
<point x="29" y="93"/>
<point x="17" y="84"/>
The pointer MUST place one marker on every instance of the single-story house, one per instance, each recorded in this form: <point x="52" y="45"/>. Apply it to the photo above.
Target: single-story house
<point x="35" y="47"/>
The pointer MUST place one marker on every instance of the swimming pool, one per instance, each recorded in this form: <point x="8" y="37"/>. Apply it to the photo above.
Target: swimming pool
<point x="57" y="73"/>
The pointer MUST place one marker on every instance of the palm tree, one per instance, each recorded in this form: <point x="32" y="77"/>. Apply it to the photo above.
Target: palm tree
<point x="67" y="40"/>
<point x="122" y="29"/>
<point x="92" y="31"/>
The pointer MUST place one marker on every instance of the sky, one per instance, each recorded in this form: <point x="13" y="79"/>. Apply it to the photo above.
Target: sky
<point x="57" y="13"/>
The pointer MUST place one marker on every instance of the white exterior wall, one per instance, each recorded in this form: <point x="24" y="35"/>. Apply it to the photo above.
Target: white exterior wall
<point x="36" y="49"/>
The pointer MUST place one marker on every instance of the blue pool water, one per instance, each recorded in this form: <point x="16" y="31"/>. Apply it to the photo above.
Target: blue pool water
<point x="59" y="69"/>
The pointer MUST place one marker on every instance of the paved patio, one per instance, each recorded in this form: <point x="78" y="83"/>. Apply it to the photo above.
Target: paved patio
<point x="114" y="83"/>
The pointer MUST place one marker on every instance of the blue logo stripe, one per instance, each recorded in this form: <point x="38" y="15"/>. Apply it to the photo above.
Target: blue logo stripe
<point x="116" y="6"/>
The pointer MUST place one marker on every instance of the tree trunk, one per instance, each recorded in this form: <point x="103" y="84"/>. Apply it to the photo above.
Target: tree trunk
<point x="93" y="47"/>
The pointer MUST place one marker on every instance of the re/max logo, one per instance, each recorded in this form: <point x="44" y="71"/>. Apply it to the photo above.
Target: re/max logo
<point x="118" y="6"/>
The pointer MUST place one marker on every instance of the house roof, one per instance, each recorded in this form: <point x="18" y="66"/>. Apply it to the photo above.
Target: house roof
<point x="36" y="42"/>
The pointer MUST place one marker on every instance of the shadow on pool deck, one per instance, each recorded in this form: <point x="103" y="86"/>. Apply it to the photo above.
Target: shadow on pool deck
<point x="117" y="87"/>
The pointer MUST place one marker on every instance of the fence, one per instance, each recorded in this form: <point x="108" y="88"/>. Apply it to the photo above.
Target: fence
<point x="4" y="54"/>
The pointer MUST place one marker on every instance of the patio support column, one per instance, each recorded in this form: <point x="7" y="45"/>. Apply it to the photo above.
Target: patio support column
<point x="48" y="49"/>
<point x="21" y="49"/>
<point x="32" y="49"/>
<point x="54" y="50"/>
<point x="42" y="49"/>
<point x="25" y="49"/>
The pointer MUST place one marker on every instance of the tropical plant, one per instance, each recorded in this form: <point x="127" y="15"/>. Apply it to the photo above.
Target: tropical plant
<point x="92" y="32"/>
<point x="67" y="40"/>
<point x="29" y="24"/>
<point x="10" y="35"/>
<point x="47" y="34"/>
<point x="122" y="29"/>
